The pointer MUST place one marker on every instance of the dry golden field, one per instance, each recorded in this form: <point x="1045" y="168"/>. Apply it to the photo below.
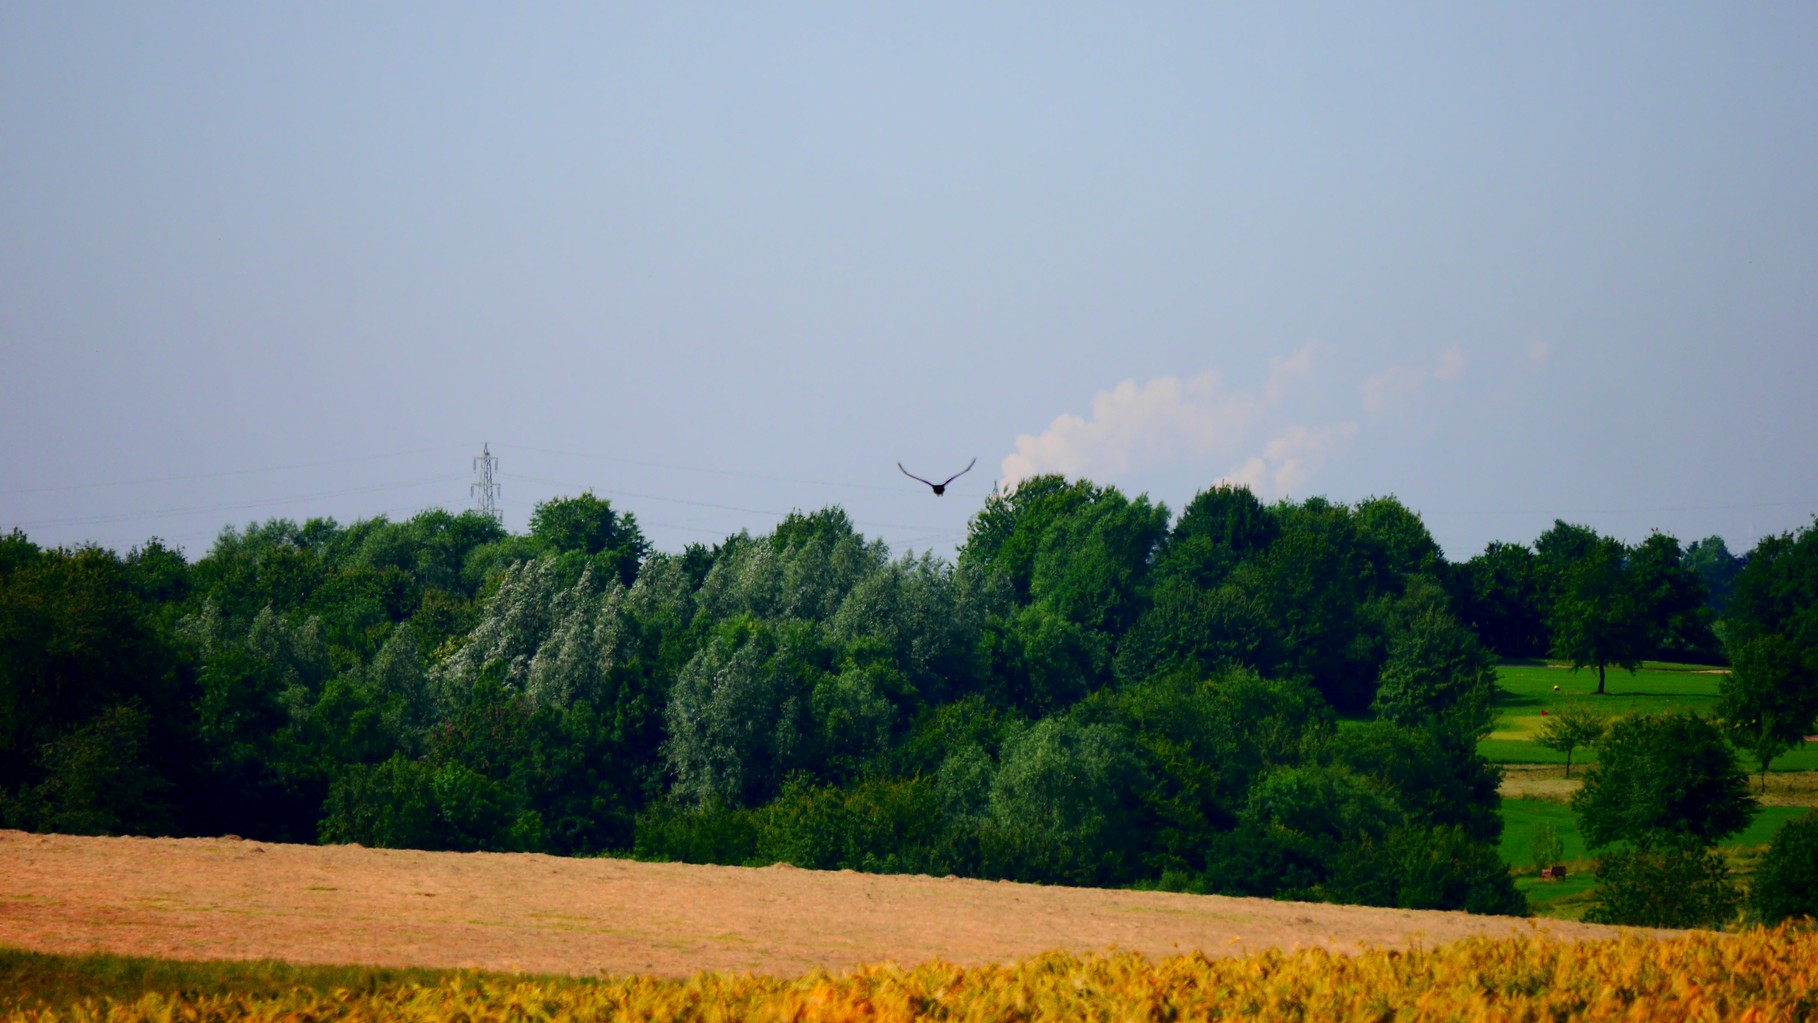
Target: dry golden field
<point x="230" y="899"/>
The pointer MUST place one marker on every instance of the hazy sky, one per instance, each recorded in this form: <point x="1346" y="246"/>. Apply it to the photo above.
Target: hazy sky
<point x="1508" y="263"/>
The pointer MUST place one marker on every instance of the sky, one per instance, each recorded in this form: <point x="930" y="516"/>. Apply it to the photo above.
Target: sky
<point x="1509" y="263"/>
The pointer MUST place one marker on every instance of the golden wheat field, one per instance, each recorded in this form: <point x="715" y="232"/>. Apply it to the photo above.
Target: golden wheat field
<point x="1758" y="975"/>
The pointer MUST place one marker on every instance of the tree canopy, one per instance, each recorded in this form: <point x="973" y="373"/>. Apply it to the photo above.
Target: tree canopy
<point x="1092" y="692"/>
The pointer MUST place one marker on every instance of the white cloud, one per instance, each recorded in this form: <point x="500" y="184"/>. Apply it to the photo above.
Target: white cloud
<point x="1397" y="385"/>
<point x="1131" y="422"/>
<point x="1134" y="425"/>
<point x="1288" y="463"/>
<point x="1173" y="419"/>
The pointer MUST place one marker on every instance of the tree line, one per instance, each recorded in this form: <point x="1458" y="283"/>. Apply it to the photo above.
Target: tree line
<point x="1263" y="699"/>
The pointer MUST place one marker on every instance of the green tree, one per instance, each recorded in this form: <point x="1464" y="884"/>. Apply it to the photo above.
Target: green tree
<point x="1092" y="566"/>
<point x="98" y="780"/>
<point x="1204" y="741"/>
<point x="1674" y="601"/>
<point x="1008" y="533"/>
<point x="1710" y="559"/>
<point x="1039" y="661"/>
<point x="1545" y="847"/>
<point x="1059" y="809"/>
<point x="1597" y="621"/>
<point x="739" y="716"/>
<point x="1297" y="829"/>
<point x="1769" y="700"/>
<point x="1786" y="879"/>
<point x="1676" y="883"/>
<point x="1503" y="600"/>
<point x="1660" y="777"/>
<point x="1315" y="582"/>
<point x="1777" y="591"/>
<point x="1402" y="544"/>
<point x="391" y="805"/>
<point x="1426" y="868"/>
<point x="1220" y="528"/>
<point x="1433" y="773"/>
<point x="1435" y="669"/>
<point x="587" y="526"/>
<point x="1572" y="725"/>
<point x="78" y="642"/>
<point x="1201" y="631"/>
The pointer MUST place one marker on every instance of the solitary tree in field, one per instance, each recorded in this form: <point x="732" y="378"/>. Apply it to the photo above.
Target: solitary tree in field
<point x="1665" y="790"/>
<point x="1571" y="726"/>
<point x="1769" y="700"/>
<point x="1597" y="621"/>
<point x="1662" y="777"/>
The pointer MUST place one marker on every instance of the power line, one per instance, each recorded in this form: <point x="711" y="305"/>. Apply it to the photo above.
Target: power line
<point x="229" y="506"/>
<point x="712" y="472"/>
<point x="218" y="475"/>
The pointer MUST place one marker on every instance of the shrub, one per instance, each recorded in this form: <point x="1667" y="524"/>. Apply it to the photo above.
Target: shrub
<point x="1546" y="846"/>
<point x="711" y="834"/>
<point x="1786" y="881"/>
<point x="1660" y="777"/>
<point x="1678" y="883"/>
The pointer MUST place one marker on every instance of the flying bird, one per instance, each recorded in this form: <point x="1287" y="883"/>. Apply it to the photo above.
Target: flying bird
<point x="941" y="487"/>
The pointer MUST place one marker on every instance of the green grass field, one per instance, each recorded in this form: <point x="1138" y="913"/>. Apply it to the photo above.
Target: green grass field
<point x="1528" y="688"/>
<point x="1569" y="898"/>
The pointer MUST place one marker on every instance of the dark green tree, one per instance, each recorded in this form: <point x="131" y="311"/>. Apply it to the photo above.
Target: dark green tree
<point x="1503" y="600"/>
<point x="76" y="641"/>
<point x="1314" y="583"/>
<point x="1220" y="528"/>
<point x="1436" y="669"/>
<point x="1710" y="559"/>
<point x="587" y="526"/>
<point x="1769" y="700"/>
<point x="1401" y="544"/>
<point x="1777" y="591"/>
<point x="1660" y="777"/>
<point x="1674" y="601"/>
<point x="1008" y="533"/>
<point x="1597" y="620"/>
<point x="1679" y="882"/>
<point x="1786" y="880"/>
<point x="1433" y="773"/>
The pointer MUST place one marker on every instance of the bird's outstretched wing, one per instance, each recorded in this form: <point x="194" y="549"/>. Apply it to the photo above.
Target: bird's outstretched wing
<point x="956" y="475"/>
<point x="914" y="477"/>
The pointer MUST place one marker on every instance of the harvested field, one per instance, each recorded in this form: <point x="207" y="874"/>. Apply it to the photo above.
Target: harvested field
<point x="232" y="899"/>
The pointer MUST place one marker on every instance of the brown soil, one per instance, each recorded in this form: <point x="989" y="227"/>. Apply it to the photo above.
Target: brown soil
<point x="232" y="899"/>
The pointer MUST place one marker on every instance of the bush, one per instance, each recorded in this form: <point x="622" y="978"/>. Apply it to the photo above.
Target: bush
<point x="1660" y="777"/>
<point x="1786" y="881"/>
<point x="1427" y="868"/>
<point x="1546" y="847"/>
<point x="1671" y="884"/>
<point x="711" y="834"/>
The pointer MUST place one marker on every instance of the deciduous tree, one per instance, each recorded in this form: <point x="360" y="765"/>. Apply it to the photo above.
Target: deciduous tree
<point x="1660" y="777"/>
<point x="1769" y="700"/>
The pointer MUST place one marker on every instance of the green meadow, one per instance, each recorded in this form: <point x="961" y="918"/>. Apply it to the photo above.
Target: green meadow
<point x="1530" y="689"/>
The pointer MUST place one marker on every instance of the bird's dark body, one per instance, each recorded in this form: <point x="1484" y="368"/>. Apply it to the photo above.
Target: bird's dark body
<point x="941" y="487"/>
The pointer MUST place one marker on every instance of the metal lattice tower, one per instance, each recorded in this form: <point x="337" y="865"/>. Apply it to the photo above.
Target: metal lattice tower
<point x="485" y="491"/>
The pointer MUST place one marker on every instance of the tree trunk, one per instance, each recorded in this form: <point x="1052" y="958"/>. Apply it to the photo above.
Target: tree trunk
<point x="1600" y="680"/>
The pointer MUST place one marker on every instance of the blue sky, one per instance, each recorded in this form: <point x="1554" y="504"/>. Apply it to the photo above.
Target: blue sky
<point x="1509" y="263"/>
